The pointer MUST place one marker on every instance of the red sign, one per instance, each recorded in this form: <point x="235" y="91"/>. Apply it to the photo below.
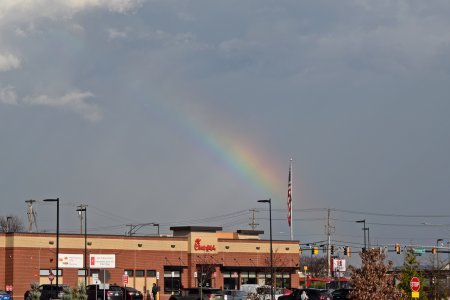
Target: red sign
<point x="199" y="247"/>
<point x="415" y="284"/>
<point x="9" y="288"/>
<point x="125" y="279"/>
<point x="51" y="276"/>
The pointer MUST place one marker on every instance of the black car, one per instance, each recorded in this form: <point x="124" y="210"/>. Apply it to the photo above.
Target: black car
<point x="313" y="294"/>
<point x="340" y="294"/>
<point x="194" y="294"/>
<point x="130" y="293"/>
<point x="104" y="292"/>
<point x="48" y="291"/>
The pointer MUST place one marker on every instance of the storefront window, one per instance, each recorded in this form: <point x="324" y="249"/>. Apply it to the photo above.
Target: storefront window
<point x="230" y="280"/>
<point x="172" y="281"/>
<point x="248" y="278"/>
<point x="283" y="280"/>
<point x="140" y="273"/>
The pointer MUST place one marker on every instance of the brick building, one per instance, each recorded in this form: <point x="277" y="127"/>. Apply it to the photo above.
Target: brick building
<point x="192" y="255"/>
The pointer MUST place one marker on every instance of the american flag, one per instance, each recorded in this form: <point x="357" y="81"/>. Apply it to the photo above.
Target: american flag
<point x="289" y="196"/>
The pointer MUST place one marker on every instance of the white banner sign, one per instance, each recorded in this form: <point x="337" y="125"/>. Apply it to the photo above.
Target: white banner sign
<point x="70" y="261"/>
<point x="102" y="261"/>
<point x="339" y="265"/>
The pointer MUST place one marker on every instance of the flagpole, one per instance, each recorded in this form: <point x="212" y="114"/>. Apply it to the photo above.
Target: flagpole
<point x="292" y="218"/>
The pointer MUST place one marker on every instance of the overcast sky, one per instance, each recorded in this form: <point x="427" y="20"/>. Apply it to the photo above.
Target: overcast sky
<point x="188" y="112"/>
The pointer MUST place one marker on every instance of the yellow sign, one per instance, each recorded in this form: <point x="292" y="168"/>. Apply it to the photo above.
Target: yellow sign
<point x="414" y="294"/>
<point x="305" y="267"/>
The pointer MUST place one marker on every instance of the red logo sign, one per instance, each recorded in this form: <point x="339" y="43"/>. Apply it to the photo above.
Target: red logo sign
<point x="125" y="279"/>
<point x="51" y="276"/>
<point x="199" y="247"/>
<point x="415" y="284"/>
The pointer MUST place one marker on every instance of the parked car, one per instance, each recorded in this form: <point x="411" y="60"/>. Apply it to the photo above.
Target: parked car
<point x="340" y="294"/>
<point x="5" y="296"/>
<point x="130" y="293"/>
<point x="264" y="292"/>
<point x="48" y="291"/>
<point x="194" y="294"/>
<point x="235" y="295"/>
<point x="104" y="292"/>
<point x="313" y="294"/>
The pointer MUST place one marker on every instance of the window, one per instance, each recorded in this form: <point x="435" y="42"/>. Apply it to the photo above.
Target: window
<point x="81" y="272"/>
<point x="46" y="272"/>
<point x="248" y="278"/>
<point x="140" y="273"/>
<point x="129" y="272"/>
<point x="172" y="281"/>
<point x="151" y="273"/>
<point x="283" y="280"/>
<point x="230" y="280"/>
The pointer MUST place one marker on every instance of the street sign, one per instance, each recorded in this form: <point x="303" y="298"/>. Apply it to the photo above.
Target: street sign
<point x="419" y="251"/>
<point x="51" y="276"/>
<point x="415" y="284"/>
<point x="125" y="279"/>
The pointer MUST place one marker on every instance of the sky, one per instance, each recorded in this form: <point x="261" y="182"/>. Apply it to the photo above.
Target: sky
<point x="188" y="112"/>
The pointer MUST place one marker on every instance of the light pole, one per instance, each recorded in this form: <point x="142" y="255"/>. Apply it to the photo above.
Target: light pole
<point x="364" y="229"/>
<point x="57" y="236"/>
<point x="82" y="209"/>
<point x="436" y="286"/>
<point x="271" y="248"/>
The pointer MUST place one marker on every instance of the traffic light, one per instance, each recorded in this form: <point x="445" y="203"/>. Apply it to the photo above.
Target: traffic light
<point x="434" y="250"/>
<point x="315" y="250"/>
<point x="332" y="249"/>
<point x="397" y="248"/>
<point x="347" y="251"/>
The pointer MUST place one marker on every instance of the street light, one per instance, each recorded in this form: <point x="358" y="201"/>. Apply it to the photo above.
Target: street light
<point x="437" y="268"/>
<point x="81" y="209"/>
<point x="271" y="248"/>
<point x="364" y="229"/>
<point x="57" y="235"/>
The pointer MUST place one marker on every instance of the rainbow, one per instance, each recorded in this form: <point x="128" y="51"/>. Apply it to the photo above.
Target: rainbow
<point x="235" y="152"/>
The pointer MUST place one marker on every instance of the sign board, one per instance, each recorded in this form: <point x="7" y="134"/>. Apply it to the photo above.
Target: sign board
<point x="51" y="276"/>
<point x="95" y="279"/>
<point x="102" y="261"/>
<point x="415" y="295"/>
<point x="157" y="275"/>
<point x="71" y="261"/>
<point x="125" y="279"/>
<point x="195" y="274"/>
<point x="415" y="284"/>
<point x="339" y="265"/>
<point x="104" y="286"/>
<point x="419" y="251"/>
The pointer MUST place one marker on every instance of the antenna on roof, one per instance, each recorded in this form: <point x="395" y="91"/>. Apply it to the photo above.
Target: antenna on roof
<point x="31" y="216"/>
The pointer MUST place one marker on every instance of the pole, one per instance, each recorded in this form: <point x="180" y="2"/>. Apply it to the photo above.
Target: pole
<point x="85" y="246"/>
<point x="271" y="246"/>
<point x="291" y="187"/>
<point x="271" y="250"/>
<point x="328" y="246"/>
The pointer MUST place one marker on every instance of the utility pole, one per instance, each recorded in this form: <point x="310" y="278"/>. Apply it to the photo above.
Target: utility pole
<point x="253" y="223"/>
<point x="328" y="232"/>
<point x="80" y="209"/>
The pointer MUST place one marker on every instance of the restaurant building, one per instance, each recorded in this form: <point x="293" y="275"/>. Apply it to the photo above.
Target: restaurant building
<point x="191" y="256"/>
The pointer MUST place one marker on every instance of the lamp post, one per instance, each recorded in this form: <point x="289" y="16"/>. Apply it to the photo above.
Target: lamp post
<point x="271" y="248"/>
<point x="57" y="235"/>
<point x="364" y="229"/>
<point x="438" y="270"/>
<point x="82" y="209"/>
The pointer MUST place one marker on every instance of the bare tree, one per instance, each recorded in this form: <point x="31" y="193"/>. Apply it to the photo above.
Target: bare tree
<point x="11" y="223"/>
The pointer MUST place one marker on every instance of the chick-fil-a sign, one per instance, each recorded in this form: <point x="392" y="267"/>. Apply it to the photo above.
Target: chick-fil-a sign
<point x="199" y="247"/>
